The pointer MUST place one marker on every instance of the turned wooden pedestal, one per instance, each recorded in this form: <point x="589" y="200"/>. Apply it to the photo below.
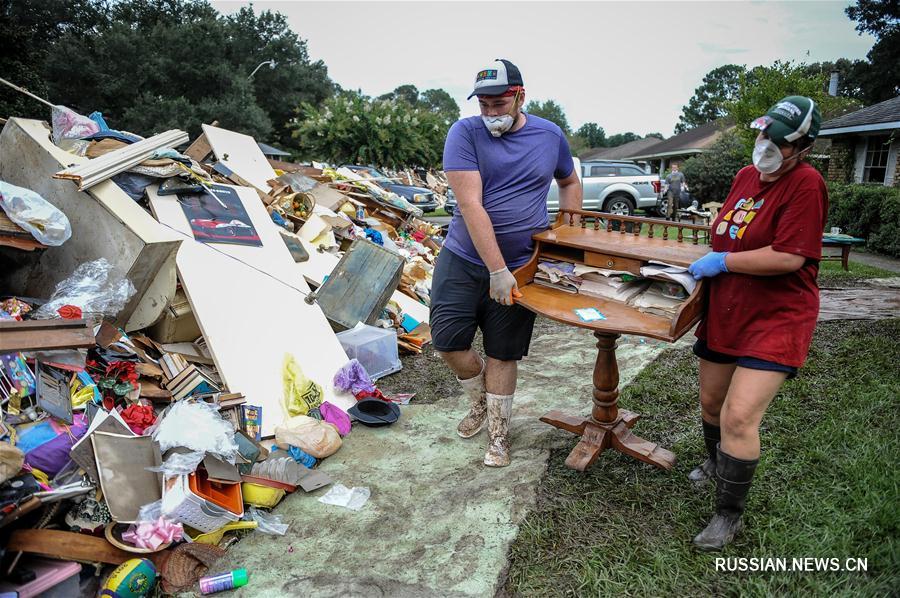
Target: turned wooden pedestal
<point x="607" y="426"/>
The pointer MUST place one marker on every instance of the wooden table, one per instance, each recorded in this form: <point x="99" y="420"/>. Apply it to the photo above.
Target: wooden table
<point x="845" y="244"/>
<point x="590" y="243"/>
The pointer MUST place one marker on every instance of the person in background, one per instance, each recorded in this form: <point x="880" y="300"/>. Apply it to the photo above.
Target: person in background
<point x="674" y="182"/>
<point x="763" y="302"/>
<point x="500" y="166"/>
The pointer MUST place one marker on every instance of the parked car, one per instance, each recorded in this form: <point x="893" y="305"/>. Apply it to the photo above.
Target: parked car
<point x="450" y="204"/>
<point x="422" y="198"/>
<point x="617" y="187"/>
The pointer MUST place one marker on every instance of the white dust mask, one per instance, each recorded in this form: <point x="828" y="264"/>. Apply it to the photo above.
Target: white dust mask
<point x="767" y="156"/>
<point x="498" y="125"/>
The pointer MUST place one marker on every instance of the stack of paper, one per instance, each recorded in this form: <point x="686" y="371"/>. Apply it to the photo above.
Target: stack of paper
<point x="670" y="272"/>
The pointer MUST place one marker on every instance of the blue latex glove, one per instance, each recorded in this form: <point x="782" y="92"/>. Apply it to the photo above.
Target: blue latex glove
<point x="711" y="264"/>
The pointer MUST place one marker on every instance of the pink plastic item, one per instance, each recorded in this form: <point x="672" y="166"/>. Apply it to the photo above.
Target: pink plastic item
<point x="335" y="415"/>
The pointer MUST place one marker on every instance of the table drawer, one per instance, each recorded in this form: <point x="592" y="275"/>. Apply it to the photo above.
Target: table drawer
<point x="612" y="262"/>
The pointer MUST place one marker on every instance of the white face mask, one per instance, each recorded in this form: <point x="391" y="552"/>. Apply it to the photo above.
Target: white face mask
<point x="498" y="125"/>
<point x="767" y="156"/>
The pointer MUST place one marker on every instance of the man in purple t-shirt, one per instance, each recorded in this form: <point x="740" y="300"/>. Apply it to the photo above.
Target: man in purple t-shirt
<point x="500" y="166"/>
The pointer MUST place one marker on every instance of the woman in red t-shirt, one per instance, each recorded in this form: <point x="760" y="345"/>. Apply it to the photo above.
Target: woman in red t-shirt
<point x="763" y="302"/>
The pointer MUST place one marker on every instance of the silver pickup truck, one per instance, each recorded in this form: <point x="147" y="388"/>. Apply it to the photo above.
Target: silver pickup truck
<point x="615" y="187"/>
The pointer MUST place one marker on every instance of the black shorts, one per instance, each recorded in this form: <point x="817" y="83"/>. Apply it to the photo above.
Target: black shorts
<point x="461" y="303"/>
<point x="702" y="350"/>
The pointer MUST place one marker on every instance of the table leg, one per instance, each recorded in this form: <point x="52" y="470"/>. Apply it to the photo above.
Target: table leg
<point x="607" y="426"/>
<point x="845" y="257"/>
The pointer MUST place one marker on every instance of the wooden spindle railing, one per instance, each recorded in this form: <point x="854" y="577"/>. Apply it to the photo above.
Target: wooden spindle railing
<point x="698" y="232"/>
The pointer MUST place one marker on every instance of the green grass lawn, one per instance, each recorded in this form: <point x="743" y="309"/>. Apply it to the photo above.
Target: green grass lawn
<point x="832" y="274"/>
<point x="437" y="212"/>
<point x="827" y="486"/>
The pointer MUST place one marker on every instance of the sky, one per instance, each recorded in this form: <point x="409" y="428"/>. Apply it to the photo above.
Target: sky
<point x="627" y="66"/>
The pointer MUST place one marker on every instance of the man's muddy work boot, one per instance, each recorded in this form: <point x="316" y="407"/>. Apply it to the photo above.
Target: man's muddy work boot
<point x="499" y="409"/>
<point x="472" y="423"/>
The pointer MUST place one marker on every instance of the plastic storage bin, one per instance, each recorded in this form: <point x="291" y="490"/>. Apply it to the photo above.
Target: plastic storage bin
<point x="180" y="503"/>
<point x="375" y="348"/>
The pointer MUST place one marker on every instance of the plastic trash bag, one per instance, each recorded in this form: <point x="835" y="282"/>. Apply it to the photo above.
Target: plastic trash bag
<point x="94" y="287"/>
<point x="199" y="427"/>
<point x="353" y="378"/>
<point x="68" y="124"/>
<point x="341" y="496"/>
<point x="43" y="220"/>
<point x="300" y="393"/>
<point x="269" y="523"/>
<point x="317" y="438"/>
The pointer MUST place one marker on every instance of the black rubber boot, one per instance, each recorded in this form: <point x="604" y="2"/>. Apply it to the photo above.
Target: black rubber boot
<point x="706" y="471"/>
<point x="733" y="478"/>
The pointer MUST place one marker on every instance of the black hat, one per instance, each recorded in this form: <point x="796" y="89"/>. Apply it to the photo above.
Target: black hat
<point x="375" y="412"/>
<point x="496" y="79"/>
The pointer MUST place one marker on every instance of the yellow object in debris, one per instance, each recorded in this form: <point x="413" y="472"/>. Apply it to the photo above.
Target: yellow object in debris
<point x="216" y="536"/>
<point x="80" y="393"/>
<point x="300" y="393"/>
<point x="257" y="495"/>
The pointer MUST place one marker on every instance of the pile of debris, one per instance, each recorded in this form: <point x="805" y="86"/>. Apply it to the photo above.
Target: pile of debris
<point x="184" y="336"/>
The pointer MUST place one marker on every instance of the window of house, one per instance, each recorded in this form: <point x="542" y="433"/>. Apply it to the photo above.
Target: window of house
<point x="875" y="166"/>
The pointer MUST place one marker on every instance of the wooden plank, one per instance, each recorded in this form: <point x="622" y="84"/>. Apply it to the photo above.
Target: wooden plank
<point x="34" y="335"/>
<point x="361" y="285"/>
<point x="22" y="243"/>
<point x="71" y="546"/>
<point x="234" y="292"/>
<point x="199" y="149"/>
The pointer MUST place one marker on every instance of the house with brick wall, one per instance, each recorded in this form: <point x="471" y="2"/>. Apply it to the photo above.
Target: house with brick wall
<point x="865" y="145"/>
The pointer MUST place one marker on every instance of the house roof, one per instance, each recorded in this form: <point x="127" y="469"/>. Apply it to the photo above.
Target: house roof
<point x="692" y="141"/>
<point x="620" y="152"/>
<point x="268" y="150"/>
<point x="884" y="115"/>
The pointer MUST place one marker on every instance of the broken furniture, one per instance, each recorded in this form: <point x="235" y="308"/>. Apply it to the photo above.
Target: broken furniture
<point x="360" y="285"/>
<point x="597" y="244"/>
<point x="105" y="223"/>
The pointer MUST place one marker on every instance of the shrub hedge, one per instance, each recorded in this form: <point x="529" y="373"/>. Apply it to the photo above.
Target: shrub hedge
<point x="871" y="212"/>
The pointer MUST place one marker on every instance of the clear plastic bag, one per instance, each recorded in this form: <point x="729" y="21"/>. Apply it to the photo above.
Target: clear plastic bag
<point x="94" y="287"/>
<point x="179" y="464"/>
<point x="350" y="498"/>
<point x="199" y="427"/>
<point x="43" y="220"/>
<point x="269" y="523"/>
<point x="68" y="124"/>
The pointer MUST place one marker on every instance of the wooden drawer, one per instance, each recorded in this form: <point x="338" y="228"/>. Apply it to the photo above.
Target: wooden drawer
<point x="612" y="262"/>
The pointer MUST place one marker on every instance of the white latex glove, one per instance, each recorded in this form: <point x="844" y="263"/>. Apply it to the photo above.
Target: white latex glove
<point x="502" y="285"/>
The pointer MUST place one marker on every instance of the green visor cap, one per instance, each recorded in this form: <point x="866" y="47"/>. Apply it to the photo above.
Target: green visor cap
<point x="792" y="118"/>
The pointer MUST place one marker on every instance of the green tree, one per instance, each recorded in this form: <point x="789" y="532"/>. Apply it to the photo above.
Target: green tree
<point x="592" y="134"/>
<point x="354" y="128"/>
<point x="149" y="65"/>
<point x="762" y="86"/>
<point x="407" y="93"/>
<point x="551" y="111"/>
<point x="708" y="102"/>
<point x="254" y="38"/>
<point x="621" y="139"/>
<point x="29" y="29"/>
<point x="655" y="136"/>
<point x="440" y="102"/>
<point x="710" y="174"/>
<point x="881" y="18"/>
